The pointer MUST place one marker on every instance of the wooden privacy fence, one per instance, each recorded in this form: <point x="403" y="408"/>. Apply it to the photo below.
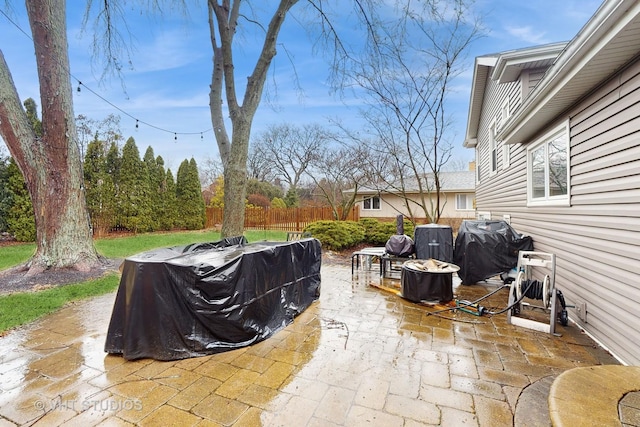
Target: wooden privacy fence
<point x="285" y="219"/>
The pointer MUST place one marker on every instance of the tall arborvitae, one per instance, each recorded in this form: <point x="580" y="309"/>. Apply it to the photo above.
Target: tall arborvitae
<point x="5" y="195"/>
<point x="200" y="211"/>
<point x="168" y="213"/>
<point x="135" y="203"/>
<point x="155" y="179"/>
<point x="191" y="210"/>
<point x="20" y="219"/>
<point x="99" y="188"/>
<point x="112" y="169"/>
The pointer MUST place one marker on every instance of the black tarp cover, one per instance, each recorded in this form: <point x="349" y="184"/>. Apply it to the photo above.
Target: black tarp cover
<point x="484" y="249"/>
<point x="434" y="241"/>
<point x="188" y="301"/>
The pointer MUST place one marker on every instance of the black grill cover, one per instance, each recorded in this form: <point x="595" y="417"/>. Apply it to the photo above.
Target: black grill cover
<point x="434" y="241"/>
<point x="484" y="249"/>
<point x="206" y="298"/>
<point x="399" y="245"/>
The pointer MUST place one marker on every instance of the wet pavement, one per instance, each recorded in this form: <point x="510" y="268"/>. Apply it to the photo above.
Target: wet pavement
<point x="358" y="356"/>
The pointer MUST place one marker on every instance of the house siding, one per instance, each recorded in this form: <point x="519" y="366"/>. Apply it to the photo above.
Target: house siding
<point x="392" y="205"/>
<point x="494" y="98"/>
<point x="595" y="239"/>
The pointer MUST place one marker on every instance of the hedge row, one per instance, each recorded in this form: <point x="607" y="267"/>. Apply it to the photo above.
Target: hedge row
<point x="339" y="235"/>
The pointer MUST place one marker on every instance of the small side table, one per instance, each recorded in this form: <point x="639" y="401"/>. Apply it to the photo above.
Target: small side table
<point x="367" y="254"/>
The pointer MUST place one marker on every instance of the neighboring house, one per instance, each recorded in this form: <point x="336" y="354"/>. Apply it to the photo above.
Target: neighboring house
<point x="456" y="198"/>
<point x="556" y="130"/>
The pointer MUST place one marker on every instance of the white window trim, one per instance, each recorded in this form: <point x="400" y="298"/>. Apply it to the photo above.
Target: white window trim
<point x="505" y="112"/>
<point x="371" y="209"/>
<point x="478" y="170"/>
<point x="493" y="146"/>
<point x="467" y="195"/>
<point x="565" y="199"/>
<point x="506" y="155"/>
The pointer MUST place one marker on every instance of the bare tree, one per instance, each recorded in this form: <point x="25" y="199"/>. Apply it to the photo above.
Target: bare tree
<point x="209" y="170"/>
<point x="407" y="74"/>
<point x="106" y="130"/>
<point x="338" y="169"/>
<point x="290" y="150"/>
<point x="233" y="149"/>
<point x="50" y="164"/>
<point x="258" y="164"/>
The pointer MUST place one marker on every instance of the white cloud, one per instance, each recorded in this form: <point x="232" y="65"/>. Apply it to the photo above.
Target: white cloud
<point x="527" y="34"/>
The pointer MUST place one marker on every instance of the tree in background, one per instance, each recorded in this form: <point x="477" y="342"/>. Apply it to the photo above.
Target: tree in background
<point x="168" y="213"/>
<point x="20" y="219"/>
<point x="340" y="168"/>
<point x="191" y="209"/>
<point x="290" y="150"/>
<point x="99" y="187"/>
<point x="5" y="196"/>
<point x="278" y="203"/>
<point x="107" y="130"/>
<point x="217" y="199"/>
<point x="263" y="188"/>
<point x="155" y="171"/>
<point x="134" y="201"/>
<point x="407" y="74"/>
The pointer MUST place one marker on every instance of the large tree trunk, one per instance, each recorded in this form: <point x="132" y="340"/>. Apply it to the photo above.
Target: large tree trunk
<point x="51" y="164"/>
<point x="223" y="20"/>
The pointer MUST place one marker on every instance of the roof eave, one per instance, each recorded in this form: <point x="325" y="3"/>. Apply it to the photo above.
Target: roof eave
<point x="602" y="28"/>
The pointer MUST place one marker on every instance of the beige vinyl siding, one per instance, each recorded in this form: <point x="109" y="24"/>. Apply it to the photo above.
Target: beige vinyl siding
<point x="597" y="238"/>
<point x="605" y="149"/>
<point x="506" y="188"/>
<point x="392" y="205"/>
<point x="535" y="76"/>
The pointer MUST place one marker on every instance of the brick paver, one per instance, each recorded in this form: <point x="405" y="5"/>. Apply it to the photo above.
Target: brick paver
<point x="357" y="356"/>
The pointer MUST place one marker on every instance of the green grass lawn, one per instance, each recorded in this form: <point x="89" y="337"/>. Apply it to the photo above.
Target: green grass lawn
<point x="20" y="308"/>
<point x="122" y="247"/>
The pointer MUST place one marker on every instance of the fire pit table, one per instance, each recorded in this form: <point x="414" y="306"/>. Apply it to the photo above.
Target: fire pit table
<point x="427" y="280"/>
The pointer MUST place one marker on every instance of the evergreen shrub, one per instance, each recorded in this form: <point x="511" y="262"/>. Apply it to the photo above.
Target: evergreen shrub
<point x="377" y="233"/>
<point x="336" y="235"/>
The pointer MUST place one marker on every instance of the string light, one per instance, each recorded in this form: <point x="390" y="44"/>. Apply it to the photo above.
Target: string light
<point x="138" y="121"/>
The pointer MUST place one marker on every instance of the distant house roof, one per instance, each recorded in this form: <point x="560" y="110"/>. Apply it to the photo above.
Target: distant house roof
<point x="606" y="43"/>
<point x="460" y="181"/>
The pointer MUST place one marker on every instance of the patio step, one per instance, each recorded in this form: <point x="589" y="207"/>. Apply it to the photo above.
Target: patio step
<point x="591" y="395"/>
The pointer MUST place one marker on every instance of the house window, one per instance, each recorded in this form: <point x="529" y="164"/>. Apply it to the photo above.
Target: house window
<point x="548" y="169"/>
<point x="493" y="151"/>
<point x="464" y="202"/>
<point x="371" y="203"/>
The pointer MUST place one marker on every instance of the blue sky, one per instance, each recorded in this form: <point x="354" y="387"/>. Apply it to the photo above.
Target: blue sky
<point x="167" y="85"/>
